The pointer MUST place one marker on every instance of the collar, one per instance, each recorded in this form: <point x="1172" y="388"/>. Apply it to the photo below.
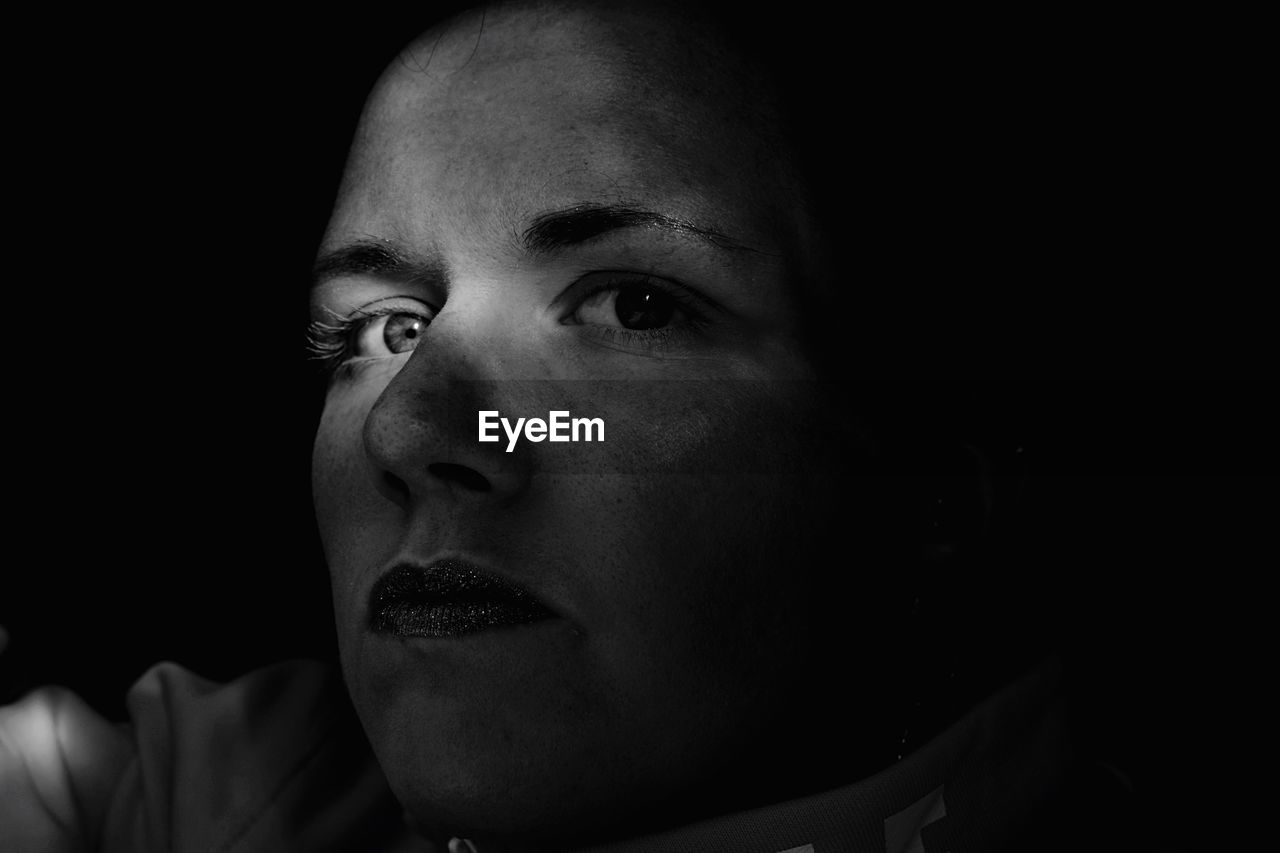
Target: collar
<point x="976" y="787"/>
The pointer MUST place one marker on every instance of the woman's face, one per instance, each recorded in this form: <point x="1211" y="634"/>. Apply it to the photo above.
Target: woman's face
<point x="568" y="213"/>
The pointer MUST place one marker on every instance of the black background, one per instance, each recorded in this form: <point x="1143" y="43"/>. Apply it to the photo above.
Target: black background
<point x="170" y="178"/>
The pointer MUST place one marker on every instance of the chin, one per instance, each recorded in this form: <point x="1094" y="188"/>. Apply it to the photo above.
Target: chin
<point x="461" y="767"/>
<point x="503" y="797"/>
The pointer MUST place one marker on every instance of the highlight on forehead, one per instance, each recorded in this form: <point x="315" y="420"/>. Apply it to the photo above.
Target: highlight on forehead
<point x="689" y="85"/>
<point x="693" y="49"/>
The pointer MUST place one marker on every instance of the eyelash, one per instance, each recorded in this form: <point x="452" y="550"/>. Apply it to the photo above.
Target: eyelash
<point x="695" y="307"/>
<point x="330" y="341"/>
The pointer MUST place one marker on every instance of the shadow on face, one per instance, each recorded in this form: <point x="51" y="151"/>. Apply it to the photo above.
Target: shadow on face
<point x="556" y="209"/>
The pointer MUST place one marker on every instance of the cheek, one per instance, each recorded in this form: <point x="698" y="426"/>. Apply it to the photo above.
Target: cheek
<point x="699" y="611"/>
<point x="334" y="462"/>
<point x="341" y="480"/>
<point x="693" y="542"/>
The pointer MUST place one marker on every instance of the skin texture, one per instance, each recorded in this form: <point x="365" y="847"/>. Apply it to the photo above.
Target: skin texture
<point x="674" y="554"/>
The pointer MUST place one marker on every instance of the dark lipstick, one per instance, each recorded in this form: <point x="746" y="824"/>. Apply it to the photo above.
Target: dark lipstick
<point x="448" y="598"/>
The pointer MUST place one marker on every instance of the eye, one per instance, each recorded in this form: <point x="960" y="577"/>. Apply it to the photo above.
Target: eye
<point x="636" y="305"/>
<point x="371" y="332"/>
<point x="393" y="332"/>
<point x="639" y="312"/>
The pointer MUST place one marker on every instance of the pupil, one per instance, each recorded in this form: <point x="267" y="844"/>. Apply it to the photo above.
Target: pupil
<point x="643" y="308"/>
<point x="401" y="332"/>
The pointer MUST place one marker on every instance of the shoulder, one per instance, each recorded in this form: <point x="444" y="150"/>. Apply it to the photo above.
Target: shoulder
<point x="272" y="760"/>
<point x="59" y="764"/>
<point x="303" y="697"/>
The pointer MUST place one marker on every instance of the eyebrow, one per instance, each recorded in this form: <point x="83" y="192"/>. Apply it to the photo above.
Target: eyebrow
<point x="375" y="257"/>
<point x="549" y="232"/>
<point x="573" y="226"/>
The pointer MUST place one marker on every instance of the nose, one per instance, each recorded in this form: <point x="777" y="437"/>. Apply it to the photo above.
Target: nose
<point x="421" y="435"/>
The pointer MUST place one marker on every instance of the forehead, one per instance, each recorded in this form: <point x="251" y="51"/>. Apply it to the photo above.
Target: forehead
<point x="495" y="116"/>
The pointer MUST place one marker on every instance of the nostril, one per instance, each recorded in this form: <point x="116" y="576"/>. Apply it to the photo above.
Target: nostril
<point x="468" y="478"/>
<point x="395" y="488"/>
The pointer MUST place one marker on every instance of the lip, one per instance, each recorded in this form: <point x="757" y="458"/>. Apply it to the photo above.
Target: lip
<point x="448" y="598"/>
